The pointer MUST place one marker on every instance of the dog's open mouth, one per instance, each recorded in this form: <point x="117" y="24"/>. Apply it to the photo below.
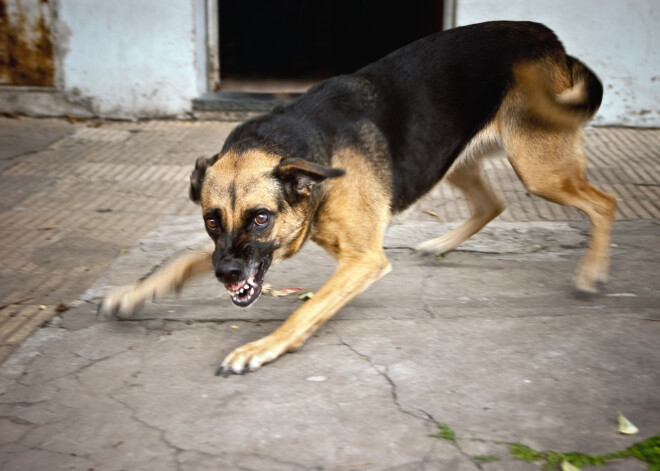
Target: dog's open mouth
<point x="245" y="292"/>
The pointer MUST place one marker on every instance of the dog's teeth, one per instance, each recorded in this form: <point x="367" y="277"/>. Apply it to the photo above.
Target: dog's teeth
<point x="251" y="281"/>
<point x="251" y="291"/>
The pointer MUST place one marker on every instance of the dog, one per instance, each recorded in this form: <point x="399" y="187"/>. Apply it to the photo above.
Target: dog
<point x="336" y="163"/>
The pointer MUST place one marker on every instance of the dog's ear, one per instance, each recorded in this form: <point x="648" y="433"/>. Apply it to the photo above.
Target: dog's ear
<point x="299" y="176"/>
<point x="197" y="176"/>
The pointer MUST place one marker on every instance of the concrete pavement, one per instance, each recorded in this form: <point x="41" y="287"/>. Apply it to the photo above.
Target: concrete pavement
<point x="490" y="340"/>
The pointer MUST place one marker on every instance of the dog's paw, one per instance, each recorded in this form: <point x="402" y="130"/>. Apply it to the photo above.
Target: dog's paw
<point x="588" y="278"/>
<point x="435" y="246"/>
<point x="587" y="283"/>
<point x="121" y="302"/>
<point x="250" y="357"/>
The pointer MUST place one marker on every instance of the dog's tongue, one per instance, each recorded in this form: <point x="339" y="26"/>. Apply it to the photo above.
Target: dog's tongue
<point x="235" y="286"/>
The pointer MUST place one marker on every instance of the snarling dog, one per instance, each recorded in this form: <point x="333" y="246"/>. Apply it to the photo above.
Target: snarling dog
<point x="335" y="164"/>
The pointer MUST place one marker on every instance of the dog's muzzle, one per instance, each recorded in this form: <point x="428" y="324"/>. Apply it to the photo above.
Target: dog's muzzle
<point x="245" y="291"/>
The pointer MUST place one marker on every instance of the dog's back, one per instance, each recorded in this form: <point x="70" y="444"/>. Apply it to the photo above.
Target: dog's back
<point x="423" y="103"/>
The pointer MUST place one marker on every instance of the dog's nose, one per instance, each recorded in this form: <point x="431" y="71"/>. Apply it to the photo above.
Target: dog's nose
<point x="229" y="272"/>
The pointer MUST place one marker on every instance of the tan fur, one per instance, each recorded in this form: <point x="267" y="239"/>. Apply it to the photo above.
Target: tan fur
<point x="348" y="215"/>
<point x="552" y="166"/>
<point x="550" y="162"/>
<point x="466" y="175"/>
<point x="171" y="278"/>
<point x="548" y="88"/>
<point x="351" y="201"/>
<point x="250" y="176"/>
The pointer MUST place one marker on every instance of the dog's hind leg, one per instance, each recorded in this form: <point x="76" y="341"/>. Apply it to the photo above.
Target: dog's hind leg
<point x="484" y="205"/>
<point x="551" y="164"/>
<point x="127" y="299"/>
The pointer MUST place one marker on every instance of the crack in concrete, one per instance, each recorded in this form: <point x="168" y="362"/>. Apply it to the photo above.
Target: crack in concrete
<point x="395" y="398"/>
<point x="16" y="420"/>
<point x="91" y="361"/>
<point x="26" y="365"/>
<point x="393" y="387"/>
<point x="66" y="453"/>
<point x="456" y="444"/>
<point x="161" y="433"/>
<point x="23" y="403"/>
<point x="425" y="305"/>
<point x="20" y="302"/>
<point x="275" y="460"/>
<point x="19" y="421"/>
<point x="177" y="450"/>
<point x="399" y="247"/>
<point x="73" y="373"/>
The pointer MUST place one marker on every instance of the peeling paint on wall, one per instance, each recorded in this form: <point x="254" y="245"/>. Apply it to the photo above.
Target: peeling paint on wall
<point x="26" y="43"/>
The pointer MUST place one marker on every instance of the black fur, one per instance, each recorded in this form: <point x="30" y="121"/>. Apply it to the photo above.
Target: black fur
<point x="237" y="258"/>
<point x="197" y="176"/>
<point x="424" y="101"/>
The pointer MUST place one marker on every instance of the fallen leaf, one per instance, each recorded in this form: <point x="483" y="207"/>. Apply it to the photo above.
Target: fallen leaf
<point x="42" y="307"/>
<point x="234" y="326"/>
<point x="122" y="252"/>
<point x="306" y="296"/>
<point x="626" y="427"/>
<point x="430" y="213"/>
<point x="566" y="466"/>
<point x="266" y="288"/>
<point x="278" y="293"/>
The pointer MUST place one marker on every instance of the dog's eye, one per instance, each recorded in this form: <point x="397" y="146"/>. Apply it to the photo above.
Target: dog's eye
<point x="261" y="219"/>
<point x="211" y="224"/>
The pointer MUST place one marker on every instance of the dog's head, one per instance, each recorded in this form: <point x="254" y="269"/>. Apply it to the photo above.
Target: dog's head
<point x="257" y="208"/>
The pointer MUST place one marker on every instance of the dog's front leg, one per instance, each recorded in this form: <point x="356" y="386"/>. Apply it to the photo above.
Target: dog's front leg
<point x="354" y="274"/>
<point x="125" y="300"/>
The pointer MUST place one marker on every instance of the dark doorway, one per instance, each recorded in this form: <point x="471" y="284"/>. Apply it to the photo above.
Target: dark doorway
<point x="315" y="39"/>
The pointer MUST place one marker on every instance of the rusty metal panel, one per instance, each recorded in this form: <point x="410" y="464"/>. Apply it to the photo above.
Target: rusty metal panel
<point x="26" y="43"/>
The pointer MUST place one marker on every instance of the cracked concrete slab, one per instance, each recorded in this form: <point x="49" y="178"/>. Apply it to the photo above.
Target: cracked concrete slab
<point x="133" y="404"/>
<point x="489" y="339"/>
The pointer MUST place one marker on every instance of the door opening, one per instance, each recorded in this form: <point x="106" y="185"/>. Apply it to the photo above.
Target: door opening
<point x="290" y="44"/>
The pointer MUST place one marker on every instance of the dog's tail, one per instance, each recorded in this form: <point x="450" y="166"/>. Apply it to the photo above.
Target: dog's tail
<point x="570" y="108"/>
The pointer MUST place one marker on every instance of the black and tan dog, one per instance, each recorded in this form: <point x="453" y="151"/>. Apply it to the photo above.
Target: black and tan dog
<point x="335" y="164"/>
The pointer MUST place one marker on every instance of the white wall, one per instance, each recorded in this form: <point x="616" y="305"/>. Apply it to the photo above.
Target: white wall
<point x="618" y="39"/>
<point x="131" y="58"/>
